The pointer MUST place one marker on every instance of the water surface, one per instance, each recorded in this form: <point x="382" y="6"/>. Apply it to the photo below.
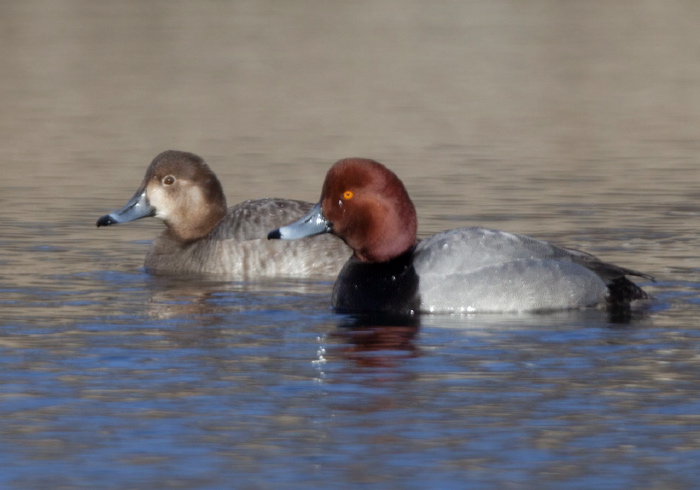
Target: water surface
<point x="572" y="122"/>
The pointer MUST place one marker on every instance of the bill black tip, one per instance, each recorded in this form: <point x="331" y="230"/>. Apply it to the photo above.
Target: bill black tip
<point x="105" y="220"/>
<point x="273" y="235"/>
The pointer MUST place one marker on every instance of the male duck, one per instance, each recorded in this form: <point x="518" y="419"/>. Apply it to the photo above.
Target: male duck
<point x="202" y="236"/>
<point x="462" y="270"/>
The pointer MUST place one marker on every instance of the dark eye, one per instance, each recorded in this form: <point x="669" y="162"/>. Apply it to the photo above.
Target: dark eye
<point x="168" y="180"/>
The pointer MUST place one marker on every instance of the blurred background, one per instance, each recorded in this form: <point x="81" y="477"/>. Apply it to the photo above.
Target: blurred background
<point x="483" y="108"/>
<point x="575" y="122"/>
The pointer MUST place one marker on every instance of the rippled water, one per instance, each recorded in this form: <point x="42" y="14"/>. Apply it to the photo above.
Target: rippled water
<point x="575" y="122"/>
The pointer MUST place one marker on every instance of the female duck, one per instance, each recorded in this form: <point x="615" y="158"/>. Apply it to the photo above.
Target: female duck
<point x="460" y="270"/>
<point x="202" y="236"/>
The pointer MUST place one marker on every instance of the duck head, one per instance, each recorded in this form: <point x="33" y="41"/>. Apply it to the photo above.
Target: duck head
<point x="365" y="204"/>
<point x="181" y="190"/>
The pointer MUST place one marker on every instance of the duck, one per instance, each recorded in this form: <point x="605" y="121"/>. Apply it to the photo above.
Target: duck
<point x="202" y="236"/>
<point x="463" y="270"/>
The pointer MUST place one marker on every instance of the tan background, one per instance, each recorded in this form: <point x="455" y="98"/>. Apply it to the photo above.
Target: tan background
<point x="549" y="118"/>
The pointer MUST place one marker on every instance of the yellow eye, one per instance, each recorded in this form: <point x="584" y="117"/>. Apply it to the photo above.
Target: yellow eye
<point x="348" y="195"/>
<point x="169" y="180"/>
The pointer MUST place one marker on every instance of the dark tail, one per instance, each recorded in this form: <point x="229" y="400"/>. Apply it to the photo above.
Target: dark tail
<point x="623" y="291"/>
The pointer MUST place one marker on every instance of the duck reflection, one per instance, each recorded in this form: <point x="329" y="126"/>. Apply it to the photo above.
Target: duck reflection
<point x="178" y="297"/>
<point x="377" y="340"/>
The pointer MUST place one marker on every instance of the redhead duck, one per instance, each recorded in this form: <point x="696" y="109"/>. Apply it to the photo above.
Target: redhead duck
<point x="202" y="236"/>
<point x="462" y="270"/>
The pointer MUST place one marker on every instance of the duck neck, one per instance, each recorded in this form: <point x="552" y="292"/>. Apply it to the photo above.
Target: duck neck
<point x="196" y="225"/>
<point x="390" y="237"/>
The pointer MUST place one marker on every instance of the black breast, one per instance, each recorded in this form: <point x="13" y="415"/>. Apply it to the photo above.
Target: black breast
<point x="386" y="286"/>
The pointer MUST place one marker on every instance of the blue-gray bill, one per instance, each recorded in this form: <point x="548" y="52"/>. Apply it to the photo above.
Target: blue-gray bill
<point x="138" y="207"/>
<point x="313" y="223"/>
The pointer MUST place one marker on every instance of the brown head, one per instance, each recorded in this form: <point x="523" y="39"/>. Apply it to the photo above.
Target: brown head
<point x="180" y="189"/>
<point x="366" y="205"/>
